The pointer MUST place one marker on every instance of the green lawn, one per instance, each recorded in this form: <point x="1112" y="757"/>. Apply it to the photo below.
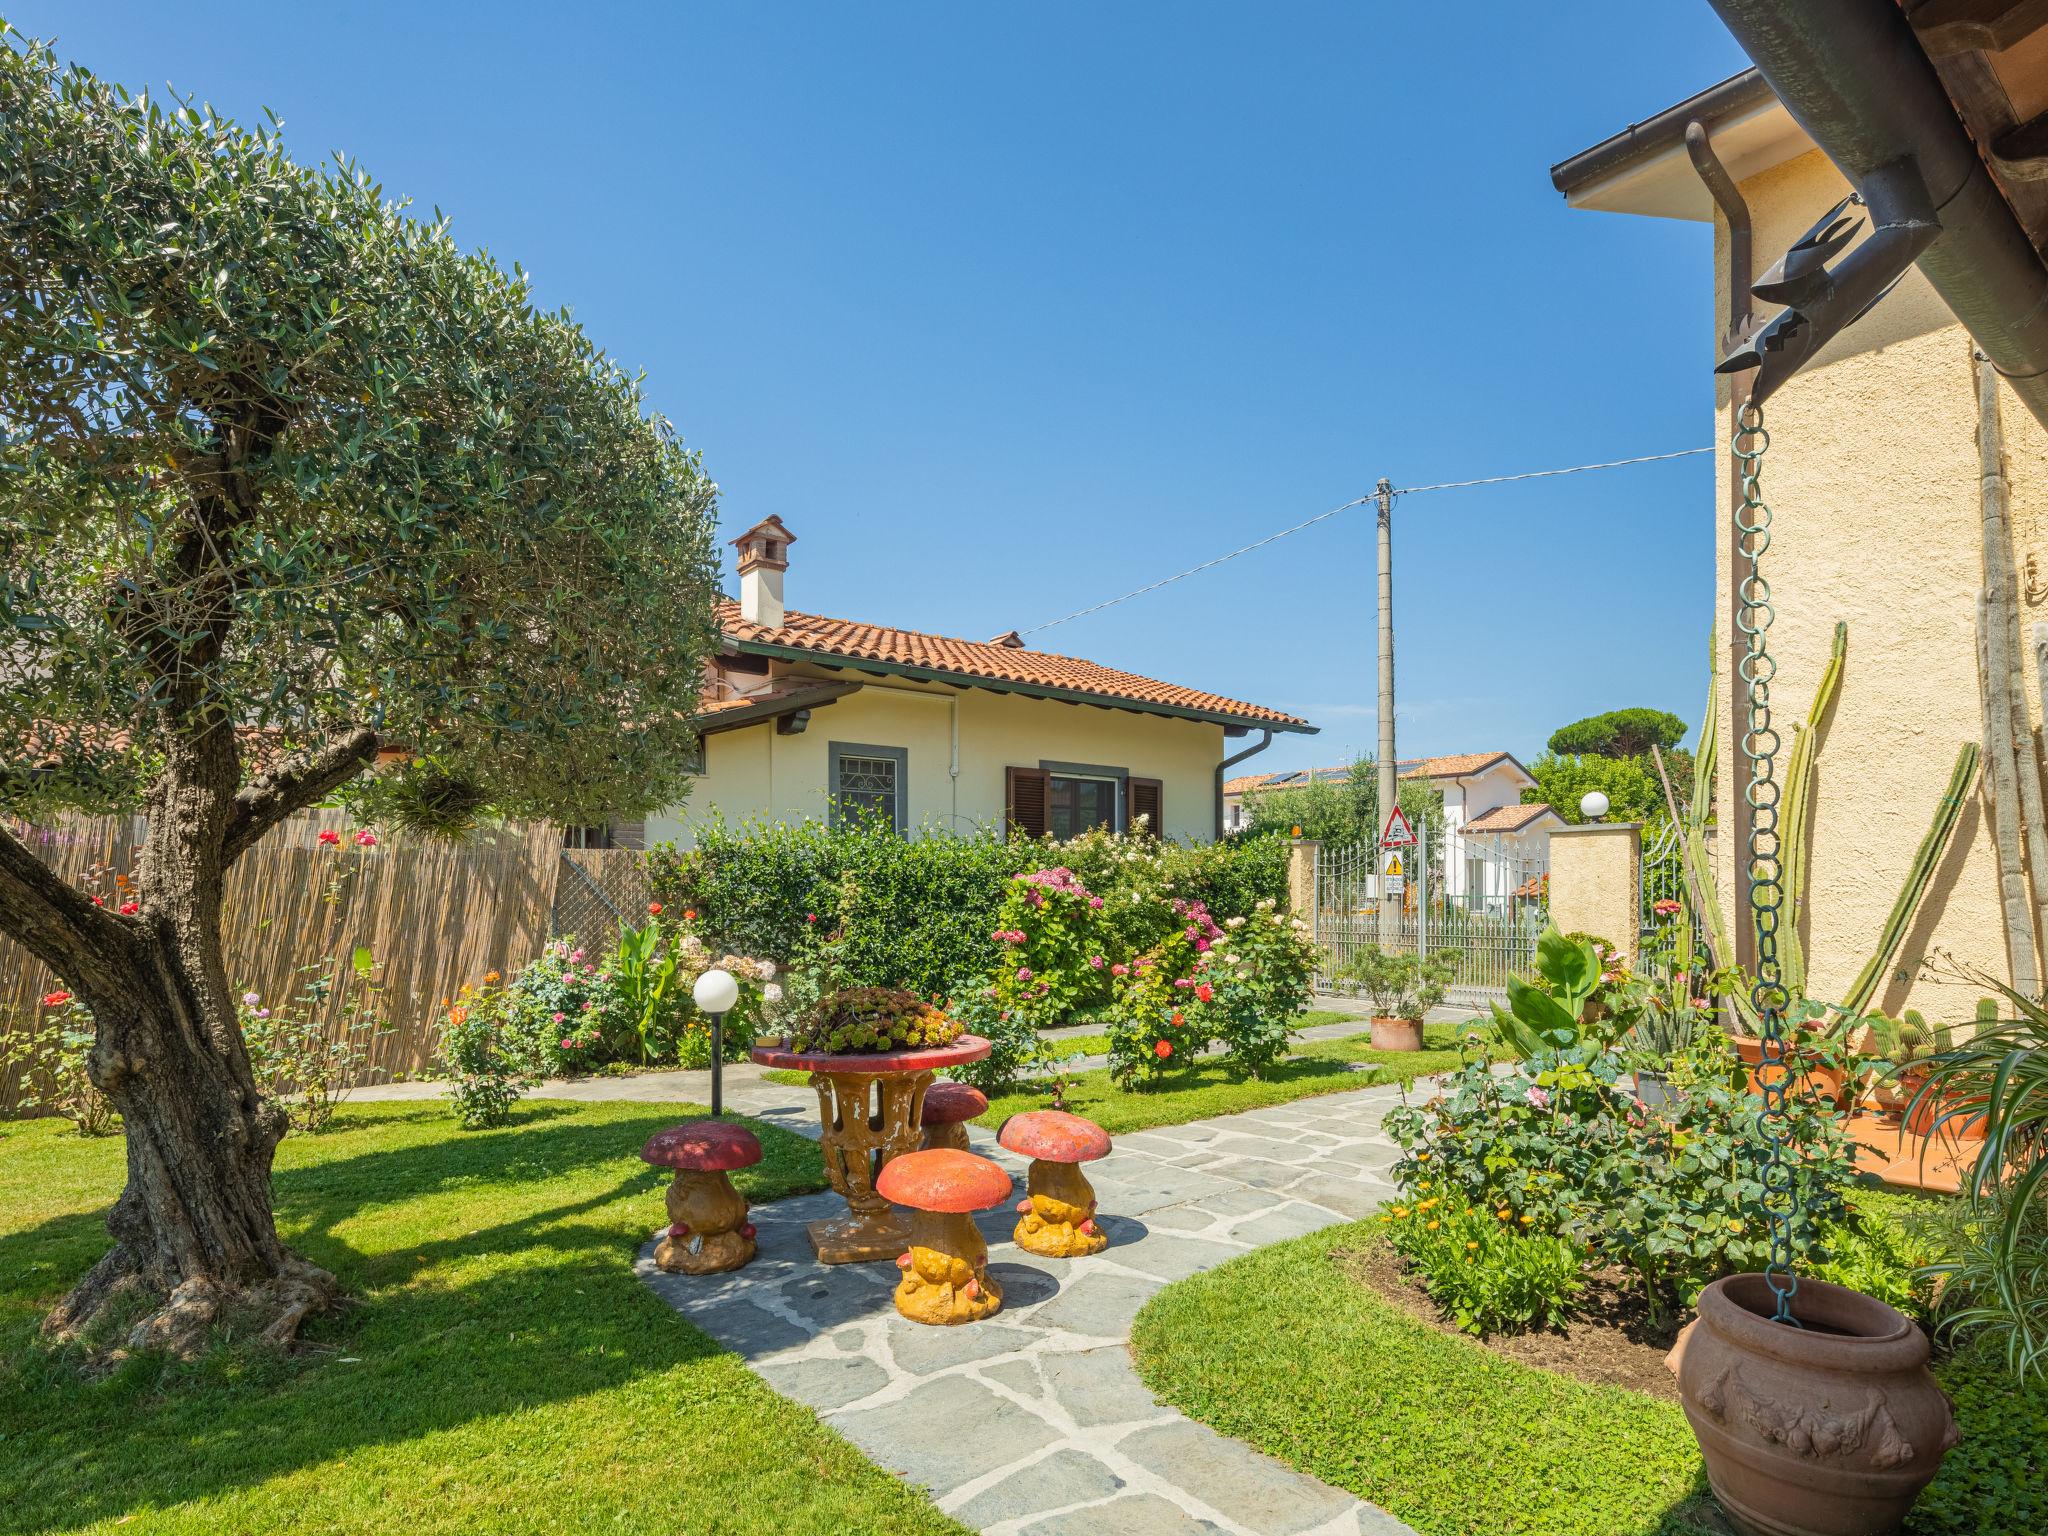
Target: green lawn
<point x="1280" y="1349"/>
<point x="503" y="1372"/>
<point x="1320" y="1066"/>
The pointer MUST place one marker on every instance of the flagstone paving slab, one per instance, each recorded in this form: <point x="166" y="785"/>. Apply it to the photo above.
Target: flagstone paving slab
<point x="1035" y="1423"/>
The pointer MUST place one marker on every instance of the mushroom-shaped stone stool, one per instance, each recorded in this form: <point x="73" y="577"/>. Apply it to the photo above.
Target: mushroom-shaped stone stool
<point x="945" y="1273"/>
<point x="708" y="1229"/>
<point x="1058" y="1220"/>
<point x="947" y="1109"/>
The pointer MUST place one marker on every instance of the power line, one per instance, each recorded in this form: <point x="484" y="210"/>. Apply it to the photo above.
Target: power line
<point x="1359" y="501"/>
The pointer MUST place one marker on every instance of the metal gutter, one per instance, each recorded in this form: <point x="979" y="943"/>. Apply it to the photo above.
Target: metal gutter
<point x="1265" y="740"/>
<point x="1645" y="141"/>
<point x="1004" y="685"/>
<point x="1853" y="75"/>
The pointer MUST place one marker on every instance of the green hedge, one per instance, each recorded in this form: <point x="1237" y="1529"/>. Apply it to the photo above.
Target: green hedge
<point x="918" y="912"/>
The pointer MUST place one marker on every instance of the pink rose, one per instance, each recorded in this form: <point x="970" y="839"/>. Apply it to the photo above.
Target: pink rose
<point x="1023" y="973"/>
<point x="560" y="1017"/>
<point x="366" y="839"/>
<point x="1202" y="945"/>
<point x="1119" y="970"/>
<point x="1095" y="901"/>
<point x="568" y="1045"/>
<point x="1097" y="961"/>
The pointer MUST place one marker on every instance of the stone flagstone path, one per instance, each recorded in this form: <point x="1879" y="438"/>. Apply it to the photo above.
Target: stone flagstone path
<point x="1035" y="1423"/>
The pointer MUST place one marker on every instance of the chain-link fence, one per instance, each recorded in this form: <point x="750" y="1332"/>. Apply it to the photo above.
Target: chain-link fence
<point x="596" y="890"/>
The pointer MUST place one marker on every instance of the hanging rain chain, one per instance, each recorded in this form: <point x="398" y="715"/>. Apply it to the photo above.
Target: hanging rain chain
<point x="1766" y="869"/>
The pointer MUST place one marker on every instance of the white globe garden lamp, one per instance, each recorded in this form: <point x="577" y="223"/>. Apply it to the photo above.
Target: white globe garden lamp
<point x="715" y="993"/>
<point x="1593" y="805"/>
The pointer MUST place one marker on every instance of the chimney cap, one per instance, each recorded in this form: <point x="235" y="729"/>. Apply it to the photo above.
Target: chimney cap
<point x="767" y="528"/>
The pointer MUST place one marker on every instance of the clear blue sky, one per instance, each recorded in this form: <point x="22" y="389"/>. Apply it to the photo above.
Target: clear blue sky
<point x="1006" y="309"/>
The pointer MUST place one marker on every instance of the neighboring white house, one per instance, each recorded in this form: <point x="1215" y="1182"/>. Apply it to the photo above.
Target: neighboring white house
<point x="1494" y="845"/>
<point x="810" y="717"/>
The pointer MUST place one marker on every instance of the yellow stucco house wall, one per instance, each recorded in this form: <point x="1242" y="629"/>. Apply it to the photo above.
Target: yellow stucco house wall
<point x="1872" y="478"/>
<point x="803" y="716"/>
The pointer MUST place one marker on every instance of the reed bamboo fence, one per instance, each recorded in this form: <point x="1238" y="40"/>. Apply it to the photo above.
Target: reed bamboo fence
<point x="432" y="915"/>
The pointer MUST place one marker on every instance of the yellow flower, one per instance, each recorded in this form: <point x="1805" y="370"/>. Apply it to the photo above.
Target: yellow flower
<point x="1401" y="1211"/>
<point x="1470" y="1246"/>
<point x="1526" y="1219"/>
<point x="1422" y="1157"/>
<point x="1423" y="1185"/>
<point x="1503" y="1215"/>
<point x="1734" y="1224"/>
<point x="1434" y="1225"/>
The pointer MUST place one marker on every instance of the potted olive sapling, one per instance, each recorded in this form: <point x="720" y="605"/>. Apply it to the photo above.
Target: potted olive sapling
<point x="1401" y="988"/>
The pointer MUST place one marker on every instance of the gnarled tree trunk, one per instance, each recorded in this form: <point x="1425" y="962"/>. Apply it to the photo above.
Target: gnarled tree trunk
<point x="195" y="1243"/>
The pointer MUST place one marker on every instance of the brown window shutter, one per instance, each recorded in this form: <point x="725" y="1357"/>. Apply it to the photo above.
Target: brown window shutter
<point x="1024" y="792"/>
<point x="1148" y="799"/>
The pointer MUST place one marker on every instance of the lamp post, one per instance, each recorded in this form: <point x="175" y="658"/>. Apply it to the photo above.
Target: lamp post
<point x="715" y="993"/>
<point x="1593" y="805"/>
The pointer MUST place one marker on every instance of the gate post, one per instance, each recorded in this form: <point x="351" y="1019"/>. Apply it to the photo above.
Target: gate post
<point x="1595" y="881"/>
<point x="1302" y="856"/>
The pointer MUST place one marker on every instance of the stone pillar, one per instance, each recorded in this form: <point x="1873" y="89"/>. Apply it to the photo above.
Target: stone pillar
<point x="1596" y="881"/>
<point x="1302" y="854"/>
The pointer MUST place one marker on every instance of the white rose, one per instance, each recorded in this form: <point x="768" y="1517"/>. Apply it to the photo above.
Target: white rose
<point x="1235" y="922"/>
<point x="772" y="992"/>
<point x="765" y="969"/>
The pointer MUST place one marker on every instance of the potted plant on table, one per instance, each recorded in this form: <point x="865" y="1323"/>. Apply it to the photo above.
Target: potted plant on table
<point x="1401" y="988"/>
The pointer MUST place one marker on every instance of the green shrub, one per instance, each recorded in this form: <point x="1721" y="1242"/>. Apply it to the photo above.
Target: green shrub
<point x="1016" y="1049"/>
<point x="1672" y="1195"/>
<point x="1049" y="962"/>
<point x="1489" y="1275"/>
<point x="489" y="1064"/>
<point x="300" y="1060"/>
<point x="918" y="912"/>
<point x="48" y="1057"/>
<point x="1399" y="984"/>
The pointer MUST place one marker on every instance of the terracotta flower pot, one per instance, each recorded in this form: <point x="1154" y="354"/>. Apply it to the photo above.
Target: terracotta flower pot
<point x="1923" y="1117"/>
<point x="1827" y="1430"/>
<point x="1811" y="1079"/>
<point x="1396" y="1034"/>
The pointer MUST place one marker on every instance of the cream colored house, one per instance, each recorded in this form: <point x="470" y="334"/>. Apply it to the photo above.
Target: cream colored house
<point x="816" y="717"/>
<point x="1872" y="475"/>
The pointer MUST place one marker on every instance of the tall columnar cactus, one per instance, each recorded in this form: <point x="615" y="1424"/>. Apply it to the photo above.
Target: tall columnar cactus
<point x="1925" y="861"/>
<point x="1799" y="809"/>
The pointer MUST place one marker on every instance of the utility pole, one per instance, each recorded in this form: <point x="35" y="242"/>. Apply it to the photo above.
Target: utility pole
<point x="1389" y="788"/>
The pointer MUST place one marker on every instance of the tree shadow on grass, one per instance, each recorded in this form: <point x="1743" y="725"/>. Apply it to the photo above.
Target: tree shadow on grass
<point x="532" y="1304"/>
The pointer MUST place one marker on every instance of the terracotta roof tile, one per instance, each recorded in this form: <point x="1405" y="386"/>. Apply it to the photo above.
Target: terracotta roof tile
<point x="1510" y="818"/>
<point x="981" y="660"/>
<point x="1455" y="766"/>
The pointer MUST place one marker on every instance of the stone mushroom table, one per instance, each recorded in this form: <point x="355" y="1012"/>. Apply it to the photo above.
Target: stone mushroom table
<point x="870" y="1103"/>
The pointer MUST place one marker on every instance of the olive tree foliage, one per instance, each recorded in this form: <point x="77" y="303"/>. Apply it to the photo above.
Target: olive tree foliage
<point x="287" y="476"/>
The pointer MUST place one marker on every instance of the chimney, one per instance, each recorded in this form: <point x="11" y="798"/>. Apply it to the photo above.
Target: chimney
<point x="764" y="556"/>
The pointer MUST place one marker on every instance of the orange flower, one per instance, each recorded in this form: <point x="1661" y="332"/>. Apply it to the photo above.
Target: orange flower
<point x="1503" y="1215"/>
<point x="1162" y="1049"/>
<point x="489" y="977"/>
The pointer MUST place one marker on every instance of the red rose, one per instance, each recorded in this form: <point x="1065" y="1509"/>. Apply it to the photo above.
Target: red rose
<point x="331" y="838"/>
<point x="1162" y="1049"/>
<point x="56" y="999"/>
<point x="810" y="917"/>
<point x="1178" y="1020"/>
<point x="1206" y="993"/>
<point x="654" y="907"/>
<point x="689" y="914"/>
<point x="130" y="908"/>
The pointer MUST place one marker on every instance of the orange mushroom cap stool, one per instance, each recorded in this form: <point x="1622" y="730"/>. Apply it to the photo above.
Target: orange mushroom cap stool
<point x="947" y="1109"/>
<point x="1058" y="1216"/>
<point x="708" y="1230"/>
<point x="945" y="1273"/>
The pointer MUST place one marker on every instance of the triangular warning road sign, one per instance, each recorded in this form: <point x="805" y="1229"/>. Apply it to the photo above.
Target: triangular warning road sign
<point x="1398" y="833"/>
<point x="1394" y="866"/>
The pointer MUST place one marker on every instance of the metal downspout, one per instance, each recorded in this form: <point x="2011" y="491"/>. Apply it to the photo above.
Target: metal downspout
<point x="1741" y="273"/>
<point x="1265" y="740"/>
<point x="1856" y="79"/>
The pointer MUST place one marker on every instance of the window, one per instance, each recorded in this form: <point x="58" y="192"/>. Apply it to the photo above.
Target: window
<point x="869" y="781"/>
<point x="1074" y="804"/>
<point x="611" y="834"/>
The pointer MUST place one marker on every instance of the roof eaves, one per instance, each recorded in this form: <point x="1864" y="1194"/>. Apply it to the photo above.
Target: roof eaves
<point x="829" y="658"/>
<point x="1653" y="136"/>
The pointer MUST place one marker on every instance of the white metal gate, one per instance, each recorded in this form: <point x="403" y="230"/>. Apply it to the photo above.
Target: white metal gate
<point x="1483" y="899"/>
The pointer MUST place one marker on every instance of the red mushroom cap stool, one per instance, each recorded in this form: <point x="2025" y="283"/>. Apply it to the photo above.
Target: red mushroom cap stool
<point x="945" y="1273"/>
<point x="708" y="1230"/>
<point x="1058" y="1217"/>
<point x="947" y="1109"/>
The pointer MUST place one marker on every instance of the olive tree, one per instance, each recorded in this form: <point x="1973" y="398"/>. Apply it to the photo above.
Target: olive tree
<point x="286" y="477"/>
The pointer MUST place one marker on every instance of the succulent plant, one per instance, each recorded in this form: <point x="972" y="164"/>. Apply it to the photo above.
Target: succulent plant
<point x="856" y="1019"/>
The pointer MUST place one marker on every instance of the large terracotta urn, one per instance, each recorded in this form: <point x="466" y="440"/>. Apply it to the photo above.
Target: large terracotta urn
<point x="1830" y="1429"/>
